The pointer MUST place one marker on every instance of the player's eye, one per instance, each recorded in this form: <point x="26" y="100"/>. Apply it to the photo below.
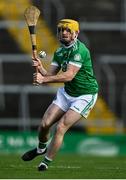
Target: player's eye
<point x="68" y="30"/>
<point x="61" y="29"/>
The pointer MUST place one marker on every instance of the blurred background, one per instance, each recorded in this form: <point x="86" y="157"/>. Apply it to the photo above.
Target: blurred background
<point x="103" y="30"/>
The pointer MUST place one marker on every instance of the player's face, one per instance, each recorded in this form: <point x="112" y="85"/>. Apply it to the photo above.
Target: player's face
<point x="65" y="35"/>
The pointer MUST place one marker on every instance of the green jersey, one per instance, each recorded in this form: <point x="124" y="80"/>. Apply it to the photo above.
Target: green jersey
<point x="78" y="54"/>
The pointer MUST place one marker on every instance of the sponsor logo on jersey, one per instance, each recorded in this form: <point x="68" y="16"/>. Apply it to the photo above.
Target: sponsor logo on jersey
<point x="64" y="66"/>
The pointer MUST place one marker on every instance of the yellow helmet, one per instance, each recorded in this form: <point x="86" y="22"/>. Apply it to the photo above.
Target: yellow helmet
<point x="69" y="23"/>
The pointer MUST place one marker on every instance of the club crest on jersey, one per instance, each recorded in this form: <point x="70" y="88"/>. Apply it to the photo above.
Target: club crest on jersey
<point x="77" y="57"/>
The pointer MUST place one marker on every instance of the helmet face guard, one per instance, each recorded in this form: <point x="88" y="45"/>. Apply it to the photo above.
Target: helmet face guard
<point x="71" y="26"/>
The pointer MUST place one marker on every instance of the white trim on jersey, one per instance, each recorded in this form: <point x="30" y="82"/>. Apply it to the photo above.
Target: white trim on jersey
<point x="75" y="64"/>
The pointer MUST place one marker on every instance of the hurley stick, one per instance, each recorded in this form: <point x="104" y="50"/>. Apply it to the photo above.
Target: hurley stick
<point x="31" y="16"/>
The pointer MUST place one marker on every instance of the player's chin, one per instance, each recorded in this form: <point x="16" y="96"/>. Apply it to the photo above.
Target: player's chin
<point x="65" y="41"/>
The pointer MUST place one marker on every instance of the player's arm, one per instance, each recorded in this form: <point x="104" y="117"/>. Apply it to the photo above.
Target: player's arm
<point x="62" y="77"/>
<point x="53" y="70"/>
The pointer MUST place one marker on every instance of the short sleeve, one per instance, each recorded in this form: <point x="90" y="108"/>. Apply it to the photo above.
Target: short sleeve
<point x="55" y="60"/>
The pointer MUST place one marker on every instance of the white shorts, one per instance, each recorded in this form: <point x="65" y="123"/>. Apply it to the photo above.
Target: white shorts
<point x="82" y="104"/>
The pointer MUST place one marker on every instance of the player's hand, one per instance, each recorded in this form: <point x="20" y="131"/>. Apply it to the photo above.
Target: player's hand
<point x="36" y="62"/>
<point x="38" y="78"/>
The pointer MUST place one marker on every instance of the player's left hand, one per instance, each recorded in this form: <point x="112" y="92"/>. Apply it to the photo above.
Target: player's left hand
<point x="38" y="78"/>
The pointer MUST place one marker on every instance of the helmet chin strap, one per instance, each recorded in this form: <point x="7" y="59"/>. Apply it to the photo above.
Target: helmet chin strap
<point x="75" y="35"/>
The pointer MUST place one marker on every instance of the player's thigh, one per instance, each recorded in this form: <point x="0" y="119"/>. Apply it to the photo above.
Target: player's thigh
<point x="52" y="115"/>
<point x="68" y="119"/>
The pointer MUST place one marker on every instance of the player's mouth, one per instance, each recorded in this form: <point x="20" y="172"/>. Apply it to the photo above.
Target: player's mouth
<point x="64" y="37"/>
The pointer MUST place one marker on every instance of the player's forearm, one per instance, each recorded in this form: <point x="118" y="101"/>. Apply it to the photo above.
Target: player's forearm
<point x="43" y="71"/>
<point x="51" y="71"/>
<point x="63" y="77"/>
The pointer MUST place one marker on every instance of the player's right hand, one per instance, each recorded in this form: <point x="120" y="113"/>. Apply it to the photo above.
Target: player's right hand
<point x="38" y="78"/>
